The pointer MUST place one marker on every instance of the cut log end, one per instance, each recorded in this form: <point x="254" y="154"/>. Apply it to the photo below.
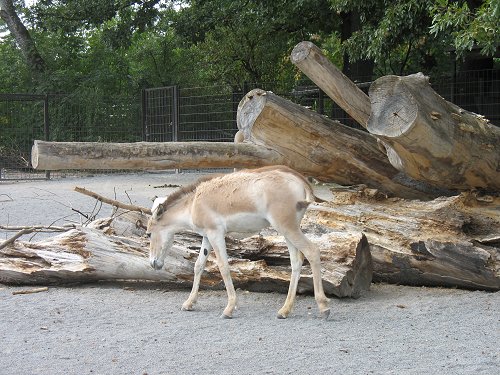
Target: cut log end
<point x="301" y="51"/>
<point x="393" y="111"/>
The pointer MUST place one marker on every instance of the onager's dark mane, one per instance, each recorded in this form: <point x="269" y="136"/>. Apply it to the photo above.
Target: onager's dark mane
<point x="185" y="190"/>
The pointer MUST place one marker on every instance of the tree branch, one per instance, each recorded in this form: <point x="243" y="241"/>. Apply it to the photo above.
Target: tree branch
<point x="112" y="202"/>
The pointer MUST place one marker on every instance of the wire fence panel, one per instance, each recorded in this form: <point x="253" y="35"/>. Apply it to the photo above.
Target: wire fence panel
<point x="183" y="114"/>
<point x="22" y="119"/>
<point x="159" y="114"/>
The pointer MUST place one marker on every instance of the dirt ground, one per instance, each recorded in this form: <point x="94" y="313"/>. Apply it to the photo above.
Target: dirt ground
<point x="138" y="328"/>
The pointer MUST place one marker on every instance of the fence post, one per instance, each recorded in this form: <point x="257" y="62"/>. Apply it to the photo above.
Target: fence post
<point x="46" y="124"/>
<point x="175" y="114"/>
<point x="143" y="114"/>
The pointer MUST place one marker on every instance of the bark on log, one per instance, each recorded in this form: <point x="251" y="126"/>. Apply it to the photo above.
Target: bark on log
<point x="431" y="139"/>
<point x="150" y="155"/>
<point x="311" y="61"/>
<point x="317" y="146"/>
<point x="99" y="253"/>
<point x="452" y="242"/>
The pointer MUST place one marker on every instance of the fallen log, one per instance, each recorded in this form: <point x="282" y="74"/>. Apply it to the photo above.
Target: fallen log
<point x="431" y="139"/>
<point x="314" y="64"/>
<point x="98" y="253"/>
<point x="317" y="146"/>
<point x="451" y="242"/>
<point x="149" y="155"/>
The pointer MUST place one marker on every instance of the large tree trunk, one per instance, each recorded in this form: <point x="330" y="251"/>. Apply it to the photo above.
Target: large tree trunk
<point x="310" y="60"/>
<point x="22" y="36"/>
<point x="431" y="139"/>
<point x="257" y="263"/>
<point x="317" y="146"/>
<point x="150" y="155"/>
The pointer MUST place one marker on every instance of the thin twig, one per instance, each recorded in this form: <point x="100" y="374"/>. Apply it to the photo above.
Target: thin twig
<point x="27" y="230"/>
<point x="9" y="198"/>
<point x="15" y="237"/>
<point x="30" y="291"/>
<point x="112" y="202"/>
<point x="39" y="228"/>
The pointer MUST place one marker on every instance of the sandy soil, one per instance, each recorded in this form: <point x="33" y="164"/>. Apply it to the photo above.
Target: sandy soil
<point x="126" y="328"/>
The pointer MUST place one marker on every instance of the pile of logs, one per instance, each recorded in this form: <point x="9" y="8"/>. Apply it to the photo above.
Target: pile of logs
<point x="425" y="210"/>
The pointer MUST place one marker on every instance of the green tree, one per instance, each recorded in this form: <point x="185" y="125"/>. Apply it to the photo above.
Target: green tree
<point x="467" y="24"/>
<point x="250" y="40"/>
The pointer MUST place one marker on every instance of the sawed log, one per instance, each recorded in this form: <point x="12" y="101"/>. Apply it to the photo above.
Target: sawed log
<point x="318" y="146"/>
<point x="431" y="139"/>
<point x="150" y="155"/>
<point x="314" y="64"/>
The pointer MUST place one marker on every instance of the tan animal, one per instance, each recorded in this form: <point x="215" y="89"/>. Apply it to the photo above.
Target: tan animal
<point x="243" y="201"/>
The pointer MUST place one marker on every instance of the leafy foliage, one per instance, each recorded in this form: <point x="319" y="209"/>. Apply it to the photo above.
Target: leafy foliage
<point x="467" y="28"/>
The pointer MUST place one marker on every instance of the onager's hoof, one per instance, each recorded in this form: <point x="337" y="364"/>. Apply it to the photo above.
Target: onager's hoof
<point x="187" y="307"/>
<point x="325" y="314"/>
<point x="224" y="316"/>
<point x="281" y="316"/>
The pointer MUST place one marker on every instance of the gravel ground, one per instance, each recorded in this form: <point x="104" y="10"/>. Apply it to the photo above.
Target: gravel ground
<point x="138" y="328"/>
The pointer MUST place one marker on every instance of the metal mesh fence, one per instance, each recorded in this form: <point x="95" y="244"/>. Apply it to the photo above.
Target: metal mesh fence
<point x="183" y="114"/>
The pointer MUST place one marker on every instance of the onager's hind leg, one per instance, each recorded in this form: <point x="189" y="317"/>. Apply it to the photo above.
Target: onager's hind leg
<point x="296" y="260"/>
<point x="311" y="252"/>
<point x="219" y="245"/>
<point x="199" y="266"/>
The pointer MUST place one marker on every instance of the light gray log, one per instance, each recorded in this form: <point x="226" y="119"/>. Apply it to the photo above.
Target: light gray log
<point x="150" y="155"/>
<point x="97" y="253"/>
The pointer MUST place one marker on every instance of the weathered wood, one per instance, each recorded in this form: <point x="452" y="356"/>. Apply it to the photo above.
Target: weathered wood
<point x="431" y="139"/>
<point x="317" y="146"/>
<point x="314" y="64"/>
<point x="149" y="155"/>
<point x="450" y="242"/>
<point x="98" y="253"/>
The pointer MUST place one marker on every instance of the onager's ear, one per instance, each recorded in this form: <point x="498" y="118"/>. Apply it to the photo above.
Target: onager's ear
<point x="160" y="210"/>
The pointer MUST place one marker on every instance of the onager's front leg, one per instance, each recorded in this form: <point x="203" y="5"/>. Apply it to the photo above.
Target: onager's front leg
<point x="199" y="266"/>
<point x="296" y="260"/>
<point x="219" y="245"/>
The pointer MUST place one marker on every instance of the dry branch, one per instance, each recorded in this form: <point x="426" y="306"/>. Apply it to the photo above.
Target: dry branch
<point x="112" y="202"/>
<point x="22" y="230"/>
<point x="30" y="291"/>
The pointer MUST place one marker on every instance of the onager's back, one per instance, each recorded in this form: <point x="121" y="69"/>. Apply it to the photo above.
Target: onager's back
<point x="249" y="200"/>
<point x="244" y="201"/>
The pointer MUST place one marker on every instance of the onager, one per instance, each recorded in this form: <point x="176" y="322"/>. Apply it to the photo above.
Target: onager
<point x="244" y="201"/>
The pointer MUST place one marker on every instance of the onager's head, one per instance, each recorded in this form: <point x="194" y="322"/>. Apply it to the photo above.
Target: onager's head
<point x="160" y="234"/>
